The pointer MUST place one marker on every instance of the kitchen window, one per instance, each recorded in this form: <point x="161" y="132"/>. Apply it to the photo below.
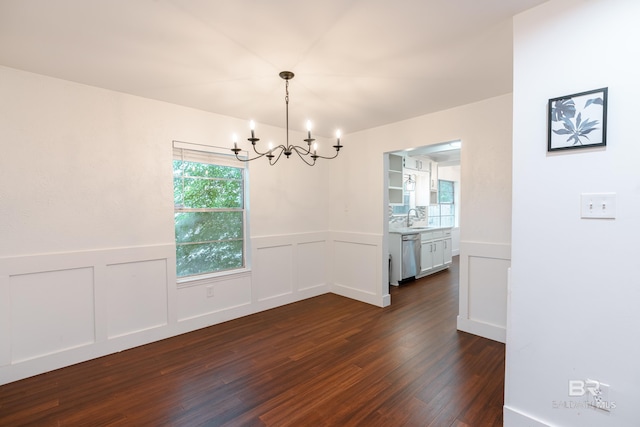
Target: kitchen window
<point x="209" y="211"/>
<point x="443" y="213"/>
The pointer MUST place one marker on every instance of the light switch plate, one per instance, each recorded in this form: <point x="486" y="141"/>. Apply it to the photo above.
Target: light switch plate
<point x="598" y="205"/>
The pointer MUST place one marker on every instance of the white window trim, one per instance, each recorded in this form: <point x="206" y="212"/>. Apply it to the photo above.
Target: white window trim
<point x="223" y="158"/>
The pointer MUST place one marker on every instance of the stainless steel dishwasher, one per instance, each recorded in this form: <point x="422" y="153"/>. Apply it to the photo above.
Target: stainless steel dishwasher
<point x="410" y="256"/>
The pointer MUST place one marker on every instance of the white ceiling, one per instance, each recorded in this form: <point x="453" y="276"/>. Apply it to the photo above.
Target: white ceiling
<point x="358" y="63"/>
<point x="445" y="154"/>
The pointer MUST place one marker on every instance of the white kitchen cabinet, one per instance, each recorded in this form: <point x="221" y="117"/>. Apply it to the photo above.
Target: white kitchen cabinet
<point x="435" y="252"/>
<point x="426" y="257"/>
<point x="435" y="246"/>
<point x="434" y="176"/>
<point x="395" y="261"/>
<point x="446" y="246"/>
<point x="416" y="164"/>
<point x="438" y="254"/>
<point x="422" y="189"/>
<point x="396" y="191"/>
<point x="447" y="250"/>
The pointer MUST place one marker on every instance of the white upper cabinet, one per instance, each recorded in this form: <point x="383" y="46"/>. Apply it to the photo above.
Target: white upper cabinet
<point x="422" y="188"/>
<point x="396" y="192"/>
<point x="412" y="164"/>
<point x="417" y="163"/>
<point x="434" y="175"/>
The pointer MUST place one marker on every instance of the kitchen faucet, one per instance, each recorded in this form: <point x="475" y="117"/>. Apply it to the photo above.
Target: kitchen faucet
<point x="408" y="213"/>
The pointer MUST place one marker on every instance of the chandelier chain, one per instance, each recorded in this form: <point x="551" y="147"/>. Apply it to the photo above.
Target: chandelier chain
<point x="286" y="100"/>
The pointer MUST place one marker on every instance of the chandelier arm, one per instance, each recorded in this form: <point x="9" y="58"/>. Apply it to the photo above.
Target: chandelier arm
<point x="257" y="152"/>
<point x="303" y="155"/>
<point x="249" y="159"/>
<point x="270" y="157"/>
<point x="328" y="158"/>
<point x="301" y="150"/>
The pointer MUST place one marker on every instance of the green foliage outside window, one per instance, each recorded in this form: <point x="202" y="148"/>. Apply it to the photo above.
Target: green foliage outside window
<point x="209" y="217"/>
<point x="445" y="192"/>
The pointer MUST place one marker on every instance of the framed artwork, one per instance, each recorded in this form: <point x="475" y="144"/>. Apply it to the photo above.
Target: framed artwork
<point x="578" y="120"/>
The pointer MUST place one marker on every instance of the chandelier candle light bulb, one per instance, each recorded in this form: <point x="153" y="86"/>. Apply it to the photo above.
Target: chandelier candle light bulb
<point x="276" y="152"/>
<point x="270" y="152"/>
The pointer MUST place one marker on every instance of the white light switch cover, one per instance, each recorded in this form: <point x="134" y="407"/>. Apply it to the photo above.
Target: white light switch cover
<point x="598" y="205"/>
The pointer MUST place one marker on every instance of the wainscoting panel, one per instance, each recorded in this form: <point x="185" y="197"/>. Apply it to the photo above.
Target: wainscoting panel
<point x="288" y="268"/>
<point x="483" y="289"/>
<point x="354" y="268"/>
<point x="312" y="265"/>
<point x="63" y="308"/>
<point x="136" y="296"/>
<point x="5" y="321"/>
<point x="214" y="295"/>
<point x="488" y="290"/>
<point x="273" y="271"/>
<point x="51" y="312"/>
<point x="357" y="267"/>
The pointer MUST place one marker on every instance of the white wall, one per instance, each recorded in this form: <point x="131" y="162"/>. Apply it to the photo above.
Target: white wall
<point x="87" y="255"/>
<point x="358" y="205"/>
<point x="574" y="282"/>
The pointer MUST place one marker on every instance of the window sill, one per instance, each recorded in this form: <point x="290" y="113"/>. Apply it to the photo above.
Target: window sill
<point x="204" y="279"/>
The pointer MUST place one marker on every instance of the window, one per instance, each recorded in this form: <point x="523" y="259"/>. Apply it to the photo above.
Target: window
<point x="209" y="212"/>
<point x="443" y="214"/>
<point x="445" y="192"/>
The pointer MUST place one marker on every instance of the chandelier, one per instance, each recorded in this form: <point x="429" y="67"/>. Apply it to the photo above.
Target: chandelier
<point x="273" y="154"/>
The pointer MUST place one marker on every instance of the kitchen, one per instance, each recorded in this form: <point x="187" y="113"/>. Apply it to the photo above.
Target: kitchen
<point x="423" y="193"/>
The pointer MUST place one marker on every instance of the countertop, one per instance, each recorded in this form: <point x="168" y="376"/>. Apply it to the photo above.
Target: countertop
<point x="415" y="230"/>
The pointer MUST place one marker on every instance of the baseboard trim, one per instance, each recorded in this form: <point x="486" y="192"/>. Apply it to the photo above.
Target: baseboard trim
<point x="386" y="300"/>
<point x="515" y="418"/>
<point x="484" y="330"/>
<point x="360" y="295"/>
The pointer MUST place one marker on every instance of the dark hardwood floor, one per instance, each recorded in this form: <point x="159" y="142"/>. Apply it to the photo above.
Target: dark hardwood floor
<point x="326" y="361"/>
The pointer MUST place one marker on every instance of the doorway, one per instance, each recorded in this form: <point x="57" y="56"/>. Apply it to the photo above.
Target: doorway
<point x="422" y="189"/>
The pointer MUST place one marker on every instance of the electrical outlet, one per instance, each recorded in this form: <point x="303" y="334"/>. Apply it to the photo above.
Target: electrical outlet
<point x="210" y="291"/>
<point x="599" y="396"/>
